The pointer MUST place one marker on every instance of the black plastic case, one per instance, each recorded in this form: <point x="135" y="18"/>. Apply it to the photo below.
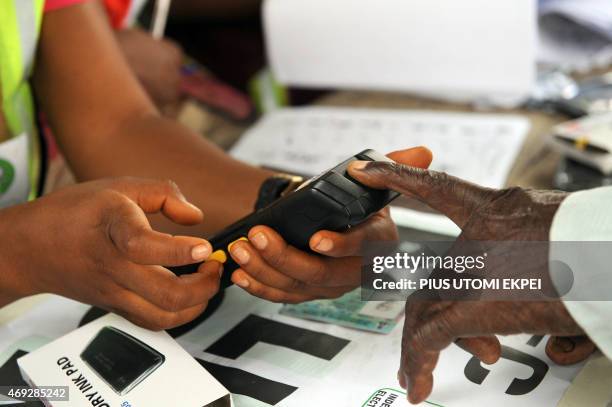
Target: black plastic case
<point x="121" y="360"/>
<point x="331" y="201"/>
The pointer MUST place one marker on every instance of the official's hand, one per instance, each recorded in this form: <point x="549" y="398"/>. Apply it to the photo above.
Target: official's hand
<point x="273" y="270"/>
<point x="92" y="242"/>
<point x="483" y="214"/>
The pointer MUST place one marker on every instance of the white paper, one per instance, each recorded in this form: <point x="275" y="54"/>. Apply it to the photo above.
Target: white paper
<point x="368" y="363"/>
<point x="480" y="148"/>
<point x="71" y="312"/>
<point x="461" y="50"/>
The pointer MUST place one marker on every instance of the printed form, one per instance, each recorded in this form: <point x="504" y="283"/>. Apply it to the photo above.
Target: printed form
<point x="480" y="148"/>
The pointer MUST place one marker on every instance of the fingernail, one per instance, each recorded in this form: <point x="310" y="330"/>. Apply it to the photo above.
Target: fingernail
<point x="241" y="239"/>
<point x="192" y="206"/>
<point x="564" y="344"/>
<point x="243" y="283"/>
<point x="324" y="245"/>
<point x="186" y="202"/>
<point x="220" y="270"/>
<point x="241" y="255"/>
<point x="260" y="241"/>
<point x="200" y="252"/>
<point x="359" y="165"/>
<point x="401" y="379"/>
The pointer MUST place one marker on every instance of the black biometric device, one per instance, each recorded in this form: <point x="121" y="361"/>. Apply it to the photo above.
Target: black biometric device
<point x="121" y="360"/>
<point x="331" y="201"/>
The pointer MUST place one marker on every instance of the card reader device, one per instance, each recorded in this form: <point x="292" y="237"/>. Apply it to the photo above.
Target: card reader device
<point x="331" y="201"/>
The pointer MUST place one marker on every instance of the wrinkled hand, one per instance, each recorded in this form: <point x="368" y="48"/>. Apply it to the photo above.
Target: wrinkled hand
<point x="92" y="242"/>
<point x="273" y="270"/>
<point x="156" y="63"/>
<point x="430" y="327"/>
<point x="483" y="214"/>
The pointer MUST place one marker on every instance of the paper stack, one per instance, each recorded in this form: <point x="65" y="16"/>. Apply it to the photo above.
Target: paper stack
<point x="587" y="140"/>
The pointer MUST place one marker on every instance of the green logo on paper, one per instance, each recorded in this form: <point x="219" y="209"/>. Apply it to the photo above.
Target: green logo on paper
<point x="388" y="397"/>
<point x="7" y="175"/>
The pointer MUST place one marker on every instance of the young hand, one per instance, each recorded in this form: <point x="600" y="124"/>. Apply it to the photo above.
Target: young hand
<point x="273" y="270"/>
<point x="93" y="243"/>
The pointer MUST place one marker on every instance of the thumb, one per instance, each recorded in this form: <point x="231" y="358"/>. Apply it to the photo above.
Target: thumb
<point x="449" y="195"/>
<point x="130" y="232"/>
<point x="154" y="196"/>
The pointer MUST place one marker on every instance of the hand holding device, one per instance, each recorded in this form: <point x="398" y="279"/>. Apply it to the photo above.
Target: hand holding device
<point x="331" y="201"/>
<point x="290" y="268"/>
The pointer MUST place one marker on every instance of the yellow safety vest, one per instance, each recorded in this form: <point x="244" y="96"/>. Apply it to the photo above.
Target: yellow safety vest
<point x="20" y="22"/>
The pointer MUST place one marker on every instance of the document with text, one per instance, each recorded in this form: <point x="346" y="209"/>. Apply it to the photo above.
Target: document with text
<point x="480" y="148"/>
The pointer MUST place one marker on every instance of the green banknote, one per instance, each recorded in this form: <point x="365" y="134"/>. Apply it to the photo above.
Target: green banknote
<point x="350" y="311"/>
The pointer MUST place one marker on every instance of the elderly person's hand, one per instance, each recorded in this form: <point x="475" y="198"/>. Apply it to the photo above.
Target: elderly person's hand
<point x="483" y="214"/>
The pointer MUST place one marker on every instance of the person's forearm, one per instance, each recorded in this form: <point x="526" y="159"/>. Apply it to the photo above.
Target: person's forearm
<point x="13" y="279"/>
<point x="106" y="126"/>
<point x="154" y="147"/>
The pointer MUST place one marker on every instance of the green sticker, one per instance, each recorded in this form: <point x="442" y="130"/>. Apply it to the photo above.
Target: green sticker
<point x="7" y="175"/>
